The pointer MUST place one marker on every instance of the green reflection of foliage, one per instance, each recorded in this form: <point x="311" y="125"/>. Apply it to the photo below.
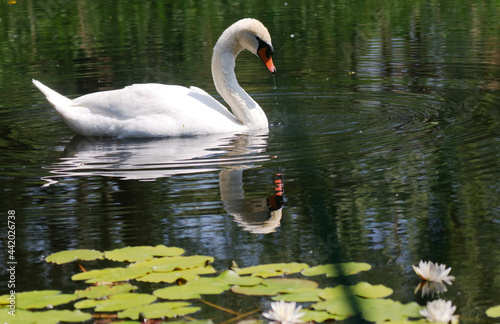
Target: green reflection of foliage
<point x="194" y="275"/>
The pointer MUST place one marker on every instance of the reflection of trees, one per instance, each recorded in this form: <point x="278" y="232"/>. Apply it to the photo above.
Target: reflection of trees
<point x="419" y="182"/>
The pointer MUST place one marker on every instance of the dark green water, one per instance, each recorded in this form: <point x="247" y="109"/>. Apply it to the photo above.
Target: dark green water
<point x="385" y="122"/>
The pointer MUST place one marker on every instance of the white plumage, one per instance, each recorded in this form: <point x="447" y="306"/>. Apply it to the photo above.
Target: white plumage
<point x="157" y="110"/>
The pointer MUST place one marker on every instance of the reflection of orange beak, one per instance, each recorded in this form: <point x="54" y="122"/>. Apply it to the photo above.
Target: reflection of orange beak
<point x="268" y="61"/>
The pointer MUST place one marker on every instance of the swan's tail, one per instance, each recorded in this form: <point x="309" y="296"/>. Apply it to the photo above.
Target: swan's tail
<point x="57" y="100"/>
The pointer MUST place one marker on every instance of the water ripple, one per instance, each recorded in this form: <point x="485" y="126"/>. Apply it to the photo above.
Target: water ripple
<point x="152" y="159"/>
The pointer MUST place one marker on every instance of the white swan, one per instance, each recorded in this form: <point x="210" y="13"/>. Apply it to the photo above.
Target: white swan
<point x="157" y="110"/>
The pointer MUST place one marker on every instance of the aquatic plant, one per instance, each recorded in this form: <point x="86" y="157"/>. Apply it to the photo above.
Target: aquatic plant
<point x="188" y="279"/>
<point x="284" y="313"/>
<point x="431" y="271"/>
<point x="440" y="311"/>
<point x="493" y="311"/>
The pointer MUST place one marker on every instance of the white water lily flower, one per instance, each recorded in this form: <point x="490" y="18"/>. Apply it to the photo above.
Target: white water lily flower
<point x="440" y="311"/>
<point x="431" y="271"/>
<point x="284" y="313"/>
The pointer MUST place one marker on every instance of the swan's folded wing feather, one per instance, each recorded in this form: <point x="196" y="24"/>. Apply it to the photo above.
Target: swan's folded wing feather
<point x="130" y="102"/>
<point x="150" y="99"/>
<point x="209" y="101"/>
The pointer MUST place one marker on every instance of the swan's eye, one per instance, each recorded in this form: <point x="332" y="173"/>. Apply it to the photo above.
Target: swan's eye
<point x="269" y="48"/>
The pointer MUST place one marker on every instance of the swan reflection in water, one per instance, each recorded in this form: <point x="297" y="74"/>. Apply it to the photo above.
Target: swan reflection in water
<point x="148" y="160"/>
<point x="258" y="216"/>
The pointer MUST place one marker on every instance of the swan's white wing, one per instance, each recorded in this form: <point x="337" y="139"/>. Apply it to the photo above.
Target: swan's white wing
<point x="210" y="101"/>
<point x="142" y="110"/>
<point x="148" y="99"/>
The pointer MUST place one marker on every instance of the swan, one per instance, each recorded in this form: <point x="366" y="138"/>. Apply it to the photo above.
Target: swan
<point x="158" y="110"/>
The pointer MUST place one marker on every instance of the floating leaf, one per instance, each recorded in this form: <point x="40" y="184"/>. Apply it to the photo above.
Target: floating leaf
<point x="231" y="277"/>
<point x="111" y="274"/>
<point x="271" y="287"/>
<point x="74" y="255"/>
<point x="259" y="290"/>
<point x="289" y="285"/>
<point x="319" y="316"/>
<point x="177" y="292"/>
<point x="188" y="275"/>
<point x="117" y="302"/>
<point x="364" y="289"/>
<point x="156" y="310"/>
<point x="345" y="306"/>
<point x="39" y="299"/>
<point x="493" y="311"/>
<point x="338" y="269"/>
<point x="86" y="303"/>
<point x="193" y="289"/>
<point x="167" y="264"/>
<point x="380" y="310"/>
<point x="104" y="291"/>
<point x="273" y="269"/>
<point x="44" y="317"/>
<point x="311" y="295"/>
<point x="141" y="253"/>
<point x="336" y="292"/>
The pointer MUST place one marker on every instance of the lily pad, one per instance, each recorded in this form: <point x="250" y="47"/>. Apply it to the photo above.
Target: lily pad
<point x="320" y="316"/>
<point x="338" y="269"/>
<point x="231" y="277"/>
<point x="259" y="290"/>
<point x="311" y="295"/>
<point x="273" y="269"/>
<point x="156" y="310"/>
<point x="167" y="264"/>
<point x="336" y="292"/>
<point x="141" y="253"/>
<point x="44" y="317"/>
<point x="111" y="274"/>
<point x="104" y="291"/>
<point x="272" y="287"/>
<point x="193" y="289"/>
<point x="289" y="285"/>
<point x="117" y="302"/>
<point x="364" y="289"/>
<point x="493" y="311"/>
<point x="188" y="275"/>
<point x="74" y="255"/>
<point x="177" y="292"/>
<point x="39" y="299"/>
<point x="380" y="310"/>
<point x="344" y="306"/>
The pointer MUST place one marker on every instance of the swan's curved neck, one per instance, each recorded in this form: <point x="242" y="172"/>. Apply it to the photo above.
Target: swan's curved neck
<point x="242" y="105"/>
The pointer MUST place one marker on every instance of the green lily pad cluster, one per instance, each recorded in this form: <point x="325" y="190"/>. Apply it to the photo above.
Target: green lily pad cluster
<point x="36" y="300"/>
<point x="189" y="278"/>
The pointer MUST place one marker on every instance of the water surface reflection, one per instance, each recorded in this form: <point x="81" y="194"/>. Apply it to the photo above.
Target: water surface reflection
<point x="150" y="159"/>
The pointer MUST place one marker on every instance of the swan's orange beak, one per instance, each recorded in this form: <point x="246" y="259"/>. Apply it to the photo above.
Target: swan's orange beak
<point x="268" y="61"/>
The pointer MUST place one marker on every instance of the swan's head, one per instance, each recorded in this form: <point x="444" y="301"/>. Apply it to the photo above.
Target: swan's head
<point x="252" y="35"/>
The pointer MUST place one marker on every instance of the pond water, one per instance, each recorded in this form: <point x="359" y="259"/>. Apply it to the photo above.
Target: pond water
<point x="384" y="123"/>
